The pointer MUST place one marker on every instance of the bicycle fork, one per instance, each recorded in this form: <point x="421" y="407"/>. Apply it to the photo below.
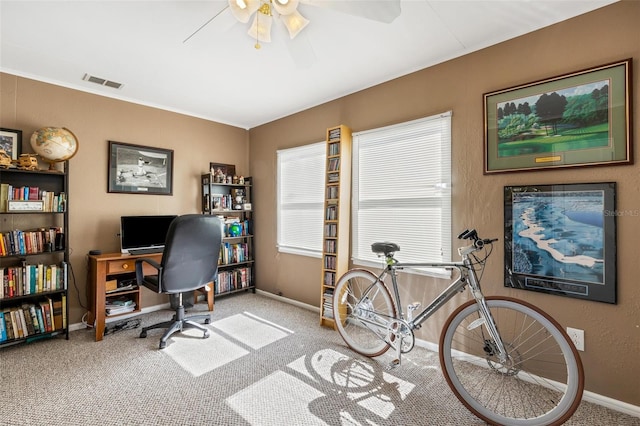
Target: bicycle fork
<point x="486" y="318"/>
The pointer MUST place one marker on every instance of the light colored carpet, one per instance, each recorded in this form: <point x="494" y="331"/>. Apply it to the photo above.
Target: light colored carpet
<point x="265" y="363"/>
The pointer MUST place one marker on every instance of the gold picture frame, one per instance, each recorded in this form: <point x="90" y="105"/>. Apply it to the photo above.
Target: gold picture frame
<point x="577" y="119"/>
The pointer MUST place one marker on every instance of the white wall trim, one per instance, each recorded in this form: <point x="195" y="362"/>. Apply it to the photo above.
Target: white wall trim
<point x="289" y="301"/>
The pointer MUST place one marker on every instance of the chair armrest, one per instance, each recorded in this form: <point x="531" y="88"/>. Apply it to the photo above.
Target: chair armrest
<point x="140" y="268"/>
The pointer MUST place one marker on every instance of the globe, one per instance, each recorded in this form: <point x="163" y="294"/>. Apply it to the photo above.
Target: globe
<point x="54" y="144"/>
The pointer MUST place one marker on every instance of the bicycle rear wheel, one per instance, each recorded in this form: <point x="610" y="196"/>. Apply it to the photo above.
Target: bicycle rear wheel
<point x="363" y="310"/>
<point x="540" y="383"/>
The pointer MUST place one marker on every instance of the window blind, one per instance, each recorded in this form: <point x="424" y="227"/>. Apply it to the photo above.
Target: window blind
<point x="301" y="174"/>
<point x="402" y="190"/>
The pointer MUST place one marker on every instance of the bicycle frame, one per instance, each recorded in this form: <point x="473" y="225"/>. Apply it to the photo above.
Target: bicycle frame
<point x="466" y="276"/>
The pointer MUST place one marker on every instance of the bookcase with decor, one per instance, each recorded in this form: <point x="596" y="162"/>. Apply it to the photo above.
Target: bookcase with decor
<point x="337" y="209"/>
<point x="34" y="255"/>
<point x="231" y="202"/>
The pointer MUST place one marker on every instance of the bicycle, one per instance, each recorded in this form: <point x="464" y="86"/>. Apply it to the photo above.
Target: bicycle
<point x="506" y="360"/>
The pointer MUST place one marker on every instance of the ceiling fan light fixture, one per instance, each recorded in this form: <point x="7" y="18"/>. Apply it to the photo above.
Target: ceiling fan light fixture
<point x="261" y="28"/>
<point x="285" y="7"/>
<point x="243" y="9"/>
<point x="294" y="22"/>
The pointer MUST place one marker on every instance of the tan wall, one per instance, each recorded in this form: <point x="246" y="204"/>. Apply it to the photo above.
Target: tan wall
<point x="612" y="332"/>
<point x="94" y="213"/>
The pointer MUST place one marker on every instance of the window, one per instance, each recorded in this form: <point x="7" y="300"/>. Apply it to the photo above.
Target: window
<point x="301" y="178"/>
<point x="402" y="190"/>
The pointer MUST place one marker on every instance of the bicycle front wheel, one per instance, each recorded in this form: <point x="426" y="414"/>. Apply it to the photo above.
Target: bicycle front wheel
<point x="363" y="310"/>
<point x="540" y="382"/>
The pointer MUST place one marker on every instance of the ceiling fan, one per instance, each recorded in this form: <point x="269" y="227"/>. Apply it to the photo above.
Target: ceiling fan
<point x="286" y="11"/>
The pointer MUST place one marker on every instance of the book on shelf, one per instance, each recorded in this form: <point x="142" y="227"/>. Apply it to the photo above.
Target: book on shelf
<point x="35" y="319"/>
<point x="3" y="328"/>
<point x="27" y="320"/>
<point x="8" y="321"/>
<point x="4" y="196"/>
<point x="333" y="164"/>
<point x="327" y="306"/>
<point x="41" y="322"/>
<point x="57" y="314"/>
<point x="19" y="321"/>
<point x="46" y="315"/>
<point x="334" y="133"/>
<point x="64" y="311"/>
<point x="119" y="306"/>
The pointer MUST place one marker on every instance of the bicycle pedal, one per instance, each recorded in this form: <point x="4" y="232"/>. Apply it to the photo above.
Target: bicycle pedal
<point x="394" y="363"/>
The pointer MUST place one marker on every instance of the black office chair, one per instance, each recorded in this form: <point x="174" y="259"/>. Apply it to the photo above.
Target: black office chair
<point x="189" y="261"/>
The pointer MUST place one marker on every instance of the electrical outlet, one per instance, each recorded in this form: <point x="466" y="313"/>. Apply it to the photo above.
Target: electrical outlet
<point x="577" y="337"/>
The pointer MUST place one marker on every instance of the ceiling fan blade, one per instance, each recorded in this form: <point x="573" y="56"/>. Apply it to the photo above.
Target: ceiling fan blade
<point x="377" y="10"/>
<point x="301" y="51"/>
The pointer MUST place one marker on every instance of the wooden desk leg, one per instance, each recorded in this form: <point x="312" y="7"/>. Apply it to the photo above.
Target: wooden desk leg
<point x="208" y="292"/>
<point x="210" y="296"/>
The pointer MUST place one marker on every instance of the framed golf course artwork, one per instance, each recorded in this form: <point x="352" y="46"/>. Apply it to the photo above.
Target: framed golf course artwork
<point x="140" y="169"/>
<point x="577" y="119"/>
<point x="561" y="239"/>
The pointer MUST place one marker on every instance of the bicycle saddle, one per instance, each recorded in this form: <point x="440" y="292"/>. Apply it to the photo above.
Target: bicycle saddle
<point x="386" y="248"/>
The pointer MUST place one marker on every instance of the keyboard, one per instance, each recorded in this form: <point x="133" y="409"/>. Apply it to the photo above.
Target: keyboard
<point x="146" y="250"/>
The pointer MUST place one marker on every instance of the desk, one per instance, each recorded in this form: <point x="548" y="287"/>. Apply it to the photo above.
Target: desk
<point x="104" y="267"/>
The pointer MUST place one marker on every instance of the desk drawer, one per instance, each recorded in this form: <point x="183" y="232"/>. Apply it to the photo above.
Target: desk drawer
<point x="121" y="266"/>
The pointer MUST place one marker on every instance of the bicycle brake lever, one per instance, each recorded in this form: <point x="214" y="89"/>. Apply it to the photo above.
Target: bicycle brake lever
<point x="462" y="235"/>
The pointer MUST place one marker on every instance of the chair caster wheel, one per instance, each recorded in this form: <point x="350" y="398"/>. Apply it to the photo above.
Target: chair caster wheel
<point x="143" y="334"/>
<point x="163" y="345"/>
<point x="207" y="321"/>
<point x="206" y="335"/>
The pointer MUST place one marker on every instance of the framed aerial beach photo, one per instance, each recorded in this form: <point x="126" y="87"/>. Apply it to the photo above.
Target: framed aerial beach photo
<point x="561" y="239"/>
<point x="138" y="169"/>
<point x="577" y="119"/>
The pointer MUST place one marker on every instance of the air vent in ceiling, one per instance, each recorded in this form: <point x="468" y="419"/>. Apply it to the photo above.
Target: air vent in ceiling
<point x="102" y="81"/>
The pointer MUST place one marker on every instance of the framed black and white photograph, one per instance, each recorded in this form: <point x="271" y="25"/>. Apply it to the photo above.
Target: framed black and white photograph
<point x="140" y="169"/>
<point x="11" y="142"/>
<point x="561" y="239"/>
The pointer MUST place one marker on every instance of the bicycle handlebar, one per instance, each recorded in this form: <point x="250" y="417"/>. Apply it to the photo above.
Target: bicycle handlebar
<point x="472" y="234"/>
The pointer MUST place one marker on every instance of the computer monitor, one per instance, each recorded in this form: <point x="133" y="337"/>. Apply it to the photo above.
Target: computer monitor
<point x="144" y="234"/>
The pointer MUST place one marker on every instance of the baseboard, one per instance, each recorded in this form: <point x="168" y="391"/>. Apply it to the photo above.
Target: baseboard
<point x="605" y="401"/>
<point x="289" y="301"/>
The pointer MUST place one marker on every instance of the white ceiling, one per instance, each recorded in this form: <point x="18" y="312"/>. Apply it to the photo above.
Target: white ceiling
<point x="218" y="75"/>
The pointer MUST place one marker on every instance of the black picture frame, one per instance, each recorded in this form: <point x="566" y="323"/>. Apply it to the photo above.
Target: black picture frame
<point x="561" y="239"/>
<point x="11" y="142"/>
<point x="139" y="169"/>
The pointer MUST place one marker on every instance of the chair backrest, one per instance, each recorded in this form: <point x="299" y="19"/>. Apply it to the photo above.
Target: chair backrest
<point x="191" y="251"/>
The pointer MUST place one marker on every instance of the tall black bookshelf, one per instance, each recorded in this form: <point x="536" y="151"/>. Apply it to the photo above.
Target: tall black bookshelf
<point x="34" y="254"/>
<point x="231" y="202"/>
